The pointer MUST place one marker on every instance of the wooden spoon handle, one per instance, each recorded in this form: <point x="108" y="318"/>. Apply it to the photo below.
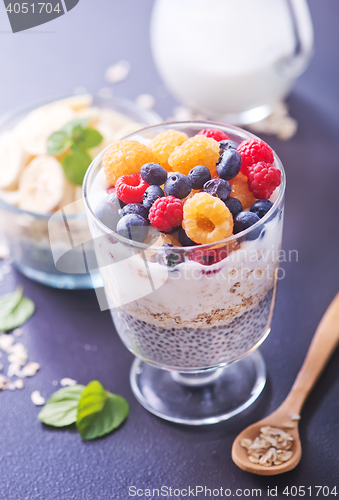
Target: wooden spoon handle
<point x="324" y="343"/>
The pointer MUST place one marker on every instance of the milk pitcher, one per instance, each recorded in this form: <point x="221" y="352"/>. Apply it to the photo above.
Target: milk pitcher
<point x="231" y="59"/>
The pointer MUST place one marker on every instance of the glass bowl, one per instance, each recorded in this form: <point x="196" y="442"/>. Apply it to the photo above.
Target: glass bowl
<point x="194" y="325"/>
<point x="51" y="249"/>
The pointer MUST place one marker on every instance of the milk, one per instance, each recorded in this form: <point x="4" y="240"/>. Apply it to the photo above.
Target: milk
<point x="227" y="57"/>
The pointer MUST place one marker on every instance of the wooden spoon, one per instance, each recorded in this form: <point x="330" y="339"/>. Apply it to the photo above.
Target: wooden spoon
<point x="324" y="342"/>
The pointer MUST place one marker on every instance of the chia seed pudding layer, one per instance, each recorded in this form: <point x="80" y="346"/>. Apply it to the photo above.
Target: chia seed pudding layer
<point x="195" y="348"/>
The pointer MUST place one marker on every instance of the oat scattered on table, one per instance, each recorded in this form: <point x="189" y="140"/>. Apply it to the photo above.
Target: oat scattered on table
<point x="145" y="101"/>
<point x="278" y="123"/>
<point x="37" y="399"/>
<point x="183" y="113"/>
<point x="30" y="369"/>
<point x="4" y="382"/>
<point x="19" y="384"/>
<point x="67" y="382"/>
<point x="6" y="341"/>
<point x="117" y="72"/>
<point x="17" y="357"/>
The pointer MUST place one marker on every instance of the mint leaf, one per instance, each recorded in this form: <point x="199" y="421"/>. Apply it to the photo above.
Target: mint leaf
<point x="100" y="412"/>
<point x="77" y="135"/>
<point x="15" y="310"/>
<point x="9" y="301"/>
<point x="62" y="407"/>
<point x="85" y="138"/>
<point x="70" y="127"/>
<point x="58" y="143"/>
<point x="75" y="165"/>
<point x="91" y="138"/>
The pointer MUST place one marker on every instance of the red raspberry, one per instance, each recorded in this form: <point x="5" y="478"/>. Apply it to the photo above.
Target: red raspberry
<point x="263" y="178"/>
<point x="130" y="188"/>
<point x="217" y="135"/>
<point x="253" y="151"/>
<point x="166" y="213"/>
<point x="209" y="257"/>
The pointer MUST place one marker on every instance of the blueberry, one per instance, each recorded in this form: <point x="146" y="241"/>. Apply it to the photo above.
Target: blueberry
<point x="133" y="227"/>
<point x="135" y="208"/>
<point x="153" y="173"/>
<point x="198" y="176"/>
<point x="234" y="206"/>
<point x="229" y="164"/>
<point x="169" y="258"/>
<point x="245" y="220"/>
<point x="108" y="211"/>
<point x="151" y="194"/>
<point x="178" y="185"/>
<point x="261" y="207"/>
<point x="226" y="144"/>
<point x="219" y="188"/>
<point x="184" y="240"/>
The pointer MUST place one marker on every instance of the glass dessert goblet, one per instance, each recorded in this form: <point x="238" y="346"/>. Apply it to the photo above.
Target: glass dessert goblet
<point x="193" y="316"/>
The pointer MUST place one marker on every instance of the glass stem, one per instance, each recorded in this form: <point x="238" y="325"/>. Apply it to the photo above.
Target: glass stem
<point x="197" y="379"/>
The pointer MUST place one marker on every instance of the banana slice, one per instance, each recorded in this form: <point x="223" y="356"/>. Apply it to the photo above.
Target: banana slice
<point x="12" y="160"/>
<point x="76" y="102"/>
<point x="35" y="129"/>
<point x="41" y="185"/>
<point x="11" y="197"/>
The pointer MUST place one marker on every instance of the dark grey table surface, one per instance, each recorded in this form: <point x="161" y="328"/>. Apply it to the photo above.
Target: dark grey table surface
<point x="41" y="463"/>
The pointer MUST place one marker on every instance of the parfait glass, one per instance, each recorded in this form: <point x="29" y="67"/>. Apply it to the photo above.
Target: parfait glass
<point x="193" y="316"/>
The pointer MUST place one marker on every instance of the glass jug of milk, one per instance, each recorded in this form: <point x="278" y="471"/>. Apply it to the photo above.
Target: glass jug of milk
<point x="231" y="59"/>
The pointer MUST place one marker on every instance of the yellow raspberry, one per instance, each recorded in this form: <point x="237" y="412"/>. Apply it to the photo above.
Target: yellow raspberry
<point x="198" y="150"/>
<point x="164" y="143"/>
<point x="125" y="157"/>
<point x="207" y="219"/>
<point x="239" y="189"/>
